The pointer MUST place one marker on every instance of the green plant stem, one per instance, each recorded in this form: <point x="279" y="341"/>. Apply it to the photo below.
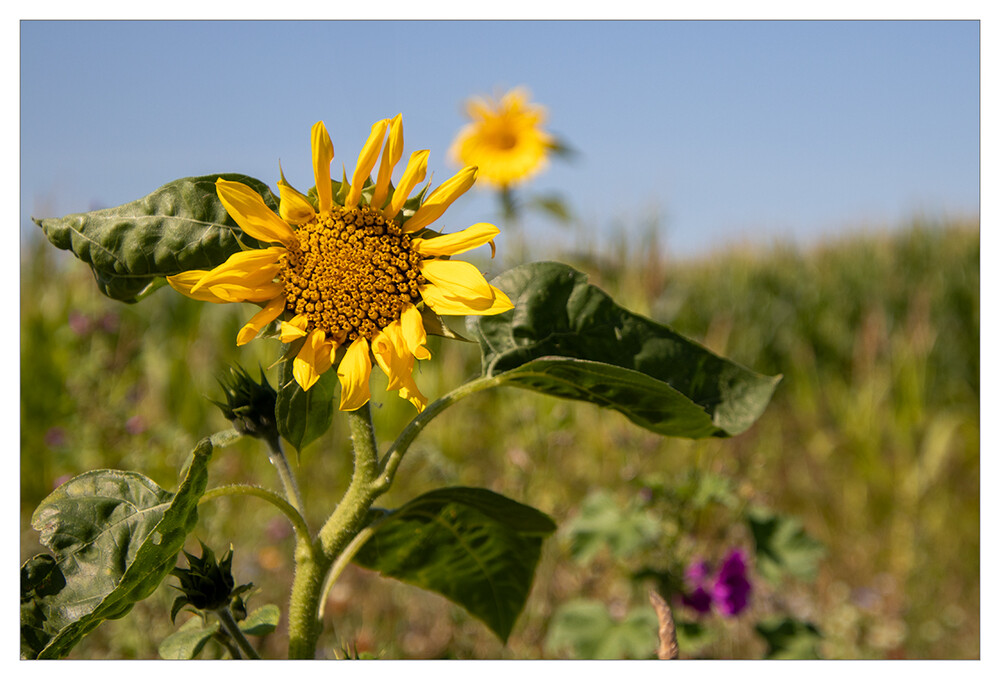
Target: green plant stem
<point x="312" y="565"/>
<point x="298" y="522"/>
<point x="280" y="461"/>
<point x="342" y="561"/>
<point x="229" y="623"/>
<point x="394" y="456"/>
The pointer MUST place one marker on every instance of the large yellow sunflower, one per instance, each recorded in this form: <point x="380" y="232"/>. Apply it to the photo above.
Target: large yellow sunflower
<point x="350" y="268"/>
<point x="504" y="139"/>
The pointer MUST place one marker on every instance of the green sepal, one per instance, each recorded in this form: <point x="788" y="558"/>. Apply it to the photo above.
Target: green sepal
<point x="475" y="547"/>
<point x="303" y="416"/>
<point x="179" y="227"/>
<point x="567" y="338"/>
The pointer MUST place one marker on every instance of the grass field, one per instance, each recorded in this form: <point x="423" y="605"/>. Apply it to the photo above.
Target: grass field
<point x="872" y="441"/>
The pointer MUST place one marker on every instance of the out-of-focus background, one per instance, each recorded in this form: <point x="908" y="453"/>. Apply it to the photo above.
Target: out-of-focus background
<point x="801" y="197"/>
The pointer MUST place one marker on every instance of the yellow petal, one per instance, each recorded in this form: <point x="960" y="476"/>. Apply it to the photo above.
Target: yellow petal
<point x="441" y="302"/>
<point x="390" y="156"/>
<point x="272" y="310"/>
<point x="391" y="355"/>
<point x="396" y="361"/>
<point x="413" y="395"/>
<point x="459" y="279"/>
<point x="412" y="326"/>
<point x="416" y="170"/>
<point x="294" y="329"/>
<point x="366" y="161"/>
<point x="322" y="155"/>
<point x="454" y="244"/>
<point x="249" y="211"/>
<point x="440" y="199"/>
<point x="233" y="292"/>
<point x="312" y="361"/>
<point x="354" y="371"/>
<point x="247" y="268"/>
<point x="185" y="281"/>
<point x="293" y="208"/>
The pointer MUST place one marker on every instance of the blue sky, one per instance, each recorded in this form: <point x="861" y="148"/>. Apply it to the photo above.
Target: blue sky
<point x="728" y="131"/>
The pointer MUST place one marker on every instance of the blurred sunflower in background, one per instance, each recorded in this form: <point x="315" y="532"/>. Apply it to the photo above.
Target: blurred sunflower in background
<point x="352" y="266"/>
<point x="506" y="141"/>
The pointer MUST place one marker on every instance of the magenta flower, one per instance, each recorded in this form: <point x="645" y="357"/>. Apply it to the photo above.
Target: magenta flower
<point x="730" y="591"/>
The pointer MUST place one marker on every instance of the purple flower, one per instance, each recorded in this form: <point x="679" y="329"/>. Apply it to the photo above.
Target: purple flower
<point x="732" y="589"/>
<point x="730" y="592"/>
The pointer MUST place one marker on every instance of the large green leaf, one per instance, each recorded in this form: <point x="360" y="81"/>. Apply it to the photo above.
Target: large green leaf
<point x="567" y="338"/>
<point x="114" y="536"/>
<point x="180" y="226"/>
<point x="304" y="416"/>
<point x="477" y="548"/>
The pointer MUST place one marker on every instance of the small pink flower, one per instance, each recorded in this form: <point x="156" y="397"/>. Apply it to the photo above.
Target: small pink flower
<point x="730" y="591"/>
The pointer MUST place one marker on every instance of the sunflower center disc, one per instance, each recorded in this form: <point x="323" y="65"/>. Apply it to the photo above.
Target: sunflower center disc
<point x="352" y="273"/>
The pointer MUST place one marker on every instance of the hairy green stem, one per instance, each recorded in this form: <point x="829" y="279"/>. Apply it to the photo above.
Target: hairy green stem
<point x="293" y="515"/>
<point x="394" y="456"/>
<point x="280" y="461"/>
<point x="312" y="565"/>
<point x="342" y="561"/>
<point x="229" y="623"/>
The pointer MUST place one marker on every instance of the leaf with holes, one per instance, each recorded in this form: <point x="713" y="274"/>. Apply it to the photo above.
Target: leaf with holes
<point x="179" y="227"/>
<point x="114" y="537"/>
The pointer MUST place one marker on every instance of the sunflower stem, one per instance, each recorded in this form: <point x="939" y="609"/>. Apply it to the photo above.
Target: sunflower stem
<point x="229" y="623"/>
<point x="394" y="456"/>
<point x="286" y="508"/>
<point x="280" y="461"/>
<point x="312" y="563"/>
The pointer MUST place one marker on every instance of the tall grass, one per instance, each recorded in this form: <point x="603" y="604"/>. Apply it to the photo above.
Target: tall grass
<point x="872" y="438"/>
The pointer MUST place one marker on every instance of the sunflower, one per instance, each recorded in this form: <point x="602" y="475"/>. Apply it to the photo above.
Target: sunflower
<point x="350" y="267"/>
<point x="504" y="139"/>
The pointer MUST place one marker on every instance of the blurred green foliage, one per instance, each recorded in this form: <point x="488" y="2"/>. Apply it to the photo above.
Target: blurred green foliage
<point x="871" y="440"/>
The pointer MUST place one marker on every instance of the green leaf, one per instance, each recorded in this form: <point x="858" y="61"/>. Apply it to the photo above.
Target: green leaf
<point x="114" y="536"/>
<point x="477" y="548"/>
<point x="603" y="524"/>
<point x="180" y="226"/>
<point x="188" y="641"/>
<point x="788" y="638"/>
<point x="304" y="416"/>
<point x="587" y="631"/>
<point x="567" y="338"/>
<point x="262" y="620"/>
<point x="782" y="546"/>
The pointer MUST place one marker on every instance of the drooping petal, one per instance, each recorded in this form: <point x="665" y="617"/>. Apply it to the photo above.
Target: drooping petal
<point x="390" y="156"/>
<point x="396" y="361"/>
<point x="312" y="361"/>
<point x="294" y="329"/>
<point x="459" y="279"/>
<point x="393" y="360"/>
<point x="443" y="303"/>
<point x="271" y="311"/>
<point x="366" y="161"/>
<point x="322" y="156"/>
<point x="454" y="244"/>
<point x="247" y="268"/>
<point x="294" y="208"/>
<point x="354" y="371"/>
<point x="412" y="326"/>
<point x="440" y="199"/>
<point x="185" y="281"/>
<point x="416" y="170"/>
<point x="249" y="211"/>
